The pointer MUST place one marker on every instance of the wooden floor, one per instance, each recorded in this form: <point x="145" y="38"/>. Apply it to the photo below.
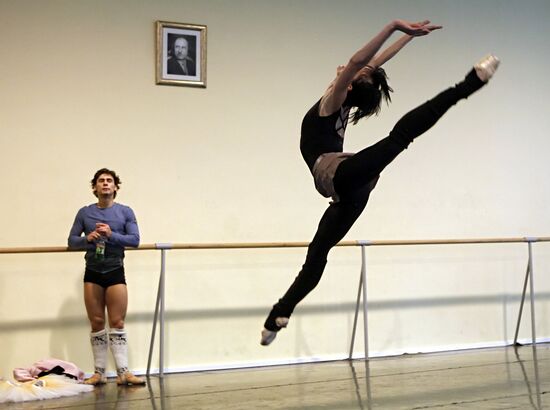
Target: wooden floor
<point x="497" y="378"/>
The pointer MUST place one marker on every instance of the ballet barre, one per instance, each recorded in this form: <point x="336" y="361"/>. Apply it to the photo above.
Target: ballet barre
<point x="362" y="289"/>
<point x="363" y="278"/>
<point x="159" y="306"/>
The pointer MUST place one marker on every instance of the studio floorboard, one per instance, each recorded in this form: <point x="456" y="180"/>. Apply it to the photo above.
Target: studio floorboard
<point x="496" y="378"/>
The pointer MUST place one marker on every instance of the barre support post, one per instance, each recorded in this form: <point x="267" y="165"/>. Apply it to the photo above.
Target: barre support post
<point x="365" y="308"/>
<point x="159" y="312"/>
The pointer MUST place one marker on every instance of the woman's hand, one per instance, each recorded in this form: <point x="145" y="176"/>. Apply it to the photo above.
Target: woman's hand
<point x="415" y="29"/>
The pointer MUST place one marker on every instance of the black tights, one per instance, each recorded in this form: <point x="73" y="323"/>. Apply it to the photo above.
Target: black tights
<point x="353" y="181"/>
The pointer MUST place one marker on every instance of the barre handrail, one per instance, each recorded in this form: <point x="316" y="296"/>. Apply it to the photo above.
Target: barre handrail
<point x="157" y="246"/>
<point x="525" y="239"/>
<point x="260" y="245"/>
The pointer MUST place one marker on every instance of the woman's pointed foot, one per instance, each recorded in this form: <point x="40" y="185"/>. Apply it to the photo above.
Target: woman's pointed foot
<point x="487" y="67"/>
<point x="269" y="336"/>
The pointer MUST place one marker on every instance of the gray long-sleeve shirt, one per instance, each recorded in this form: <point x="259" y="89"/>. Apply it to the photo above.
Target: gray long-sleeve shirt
<point x="125" y="233"/>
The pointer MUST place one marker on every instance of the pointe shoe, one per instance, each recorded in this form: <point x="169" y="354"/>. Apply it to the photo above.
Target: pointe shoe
<point x="269" y="336"/>
<point x="128" y="378"/>
<point x="96" y="379"/>
<point x="487" y="67"/>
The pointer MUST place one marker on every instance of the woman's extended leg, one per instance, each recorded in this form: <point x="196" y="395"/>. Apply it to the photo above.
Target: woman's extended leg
<point x="335" y="223"/>
<point x="367" y="164"/>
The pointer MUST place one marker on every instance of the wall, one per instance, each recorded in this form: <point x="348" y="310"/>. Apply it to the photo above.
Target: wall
<point x="222" y="164"/>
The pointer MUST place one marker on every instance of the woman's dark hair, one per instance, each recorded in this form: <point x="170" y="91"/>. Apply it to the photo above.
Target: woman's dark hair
<point x="102" y="171"/>
<point x="366" y="96"/>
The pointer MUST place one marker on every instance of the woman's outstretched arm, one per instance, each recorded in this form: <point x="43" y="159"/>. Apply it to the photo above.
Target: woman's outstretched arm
<point x="336" y="96"/>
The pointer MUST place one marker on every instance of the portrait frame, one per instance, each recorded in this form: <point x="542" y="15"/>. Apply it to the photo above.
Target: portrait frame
<point x="181" y="54"/>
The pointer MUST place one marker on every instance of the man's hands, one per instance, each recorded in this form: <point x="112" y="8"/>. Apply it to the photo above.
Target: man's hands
<point x="415" y="29"/>
<point x="101" y="229"/>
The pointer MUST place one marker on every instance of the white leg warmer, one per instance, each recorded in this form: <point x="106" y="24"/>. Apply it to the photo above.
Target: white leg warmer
<point x="119" y="348"/>
<point x="99" y="349"/>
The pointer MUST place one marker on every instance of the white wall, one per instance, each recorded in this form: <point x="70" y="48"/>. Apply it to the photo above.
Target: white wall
<point x="222" y="164"/>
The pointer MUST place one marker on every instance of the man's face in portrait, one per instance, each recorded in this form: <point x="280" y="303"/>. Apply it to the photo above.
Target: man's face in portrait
<point x="181" y="48"/>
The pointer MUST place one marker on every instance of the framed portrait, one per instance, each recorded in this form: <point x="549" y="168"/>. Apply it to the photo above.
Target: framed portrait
<point x="181" y="54"/>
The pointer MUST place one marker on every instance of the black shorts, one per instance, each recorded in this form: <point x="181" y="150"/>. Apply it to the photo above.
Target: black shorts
<point x="114" y="277"/>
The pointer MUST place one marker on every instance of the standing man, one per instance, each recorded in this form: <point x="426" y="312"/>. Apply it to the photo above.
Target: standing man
<point x="108" y="228"/>
<point x="180" y="63"/>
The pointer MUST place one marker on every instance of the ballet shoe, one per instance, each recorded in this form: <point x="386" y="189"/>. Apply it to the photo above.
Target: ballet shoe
<point x="487" y="67"/>
<point x="127" y="379"/>
<point x="269" y="336"/>
<point x="96" y="379"/>
<point x="281" y="321"/>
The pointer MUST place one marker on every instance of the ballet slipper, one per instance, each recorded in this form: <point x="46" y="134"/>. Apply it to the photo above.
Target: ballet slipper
<point x="128" y="378"/>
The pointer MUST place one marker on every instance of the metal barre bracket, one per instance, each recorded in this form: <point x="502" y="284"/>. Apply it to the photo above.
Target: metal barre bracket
<point x="531" y="239"/>
<point x="163" y="245"/>
<point x="364" y="242"/>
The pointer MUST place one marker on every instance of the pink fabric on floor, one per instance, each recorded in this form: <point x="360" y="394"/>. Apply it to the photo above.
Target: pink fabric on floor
<point x="30" y="373"/>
